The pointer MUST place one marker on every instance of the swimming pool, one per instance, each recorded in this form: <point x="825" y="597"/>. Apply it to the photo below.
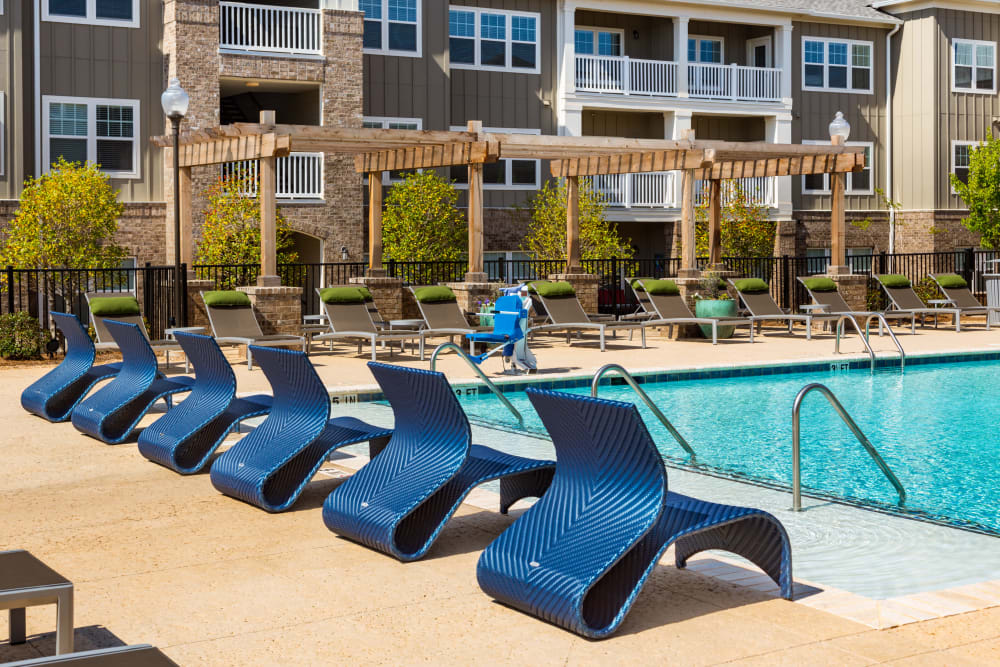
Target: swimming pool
<point x="935" y="425"/>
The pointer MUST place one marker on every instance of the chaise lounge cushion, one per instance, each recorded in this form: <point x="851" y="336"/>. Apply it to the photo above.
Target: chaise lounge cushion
<point x="111" y="306"/>
<point x="819" y="284"/>
<point x="751" y="285"/>
<point x="893" y="280"/>
<point x="554" y="290"/>
<point x="341" y="295"/>
<point x="952" y="281"/>
<point x="365" y="293"/>
<point x="662" y="287"/>
<point x="433" y="294"/>
<point x="226" y="299"/>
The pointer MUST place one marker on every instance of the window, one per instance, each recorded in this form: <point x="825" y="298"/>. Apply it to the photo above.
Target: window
<point x="504" y="174"/>
<point x="493" y="40"/>
<point x="974" y="66"/>
<point x="857" y="182"/>
<point x="101" y="131"/>
<point x="123" y="13"/>
<point x="705" y="50"/>
<point x="598" y="42"/>
<point x="392" y="27"/>
<point x="837" y="65"/>
<point x="858" y="258"/>
<point x="386" y="123"/>
<point x="508" y="265"/>
<point x="961" y="151"/>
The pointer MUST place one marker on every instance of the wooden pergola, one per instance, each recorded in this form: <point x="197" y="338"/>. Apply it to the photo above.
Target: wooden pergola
<point x="377" y="151"/>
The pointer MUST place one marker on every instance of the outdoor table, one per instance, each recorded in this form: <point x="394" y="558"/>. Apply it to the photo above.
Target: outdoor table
<point x="406" y="324"/>
<point x="169" y="333"/>
<point x="939" y="303"/>
<point x="813" y="307"/>
<point x="26" y="581"/>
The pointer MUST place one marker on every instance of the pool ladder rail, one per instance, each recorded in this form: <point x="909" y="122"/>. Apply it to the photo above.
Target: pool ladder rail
<point x="851" y="424"/>
<point x="482" y="376"/>
<point x="643" y="396"/>
<point x="882" y="325"/>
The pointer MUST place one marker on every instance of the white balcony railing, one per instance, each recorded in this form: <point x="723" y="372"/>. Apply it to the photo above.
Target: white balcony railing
<point x="652" y="190"/>
<point x="621" y="75"/>
<point x="245" y="27"/>
<point x="759" y="191"/>
<point x="300" y="176"/>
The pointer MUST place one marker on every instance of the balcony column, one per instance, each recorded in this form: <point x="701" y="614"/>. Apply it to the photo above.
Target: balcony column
<point x="681" y="53"/>
<point x="677" y="125"/>
<point x="783" y="60"/>
<point x="778" y="130"/>
<point x="375" y="269"/>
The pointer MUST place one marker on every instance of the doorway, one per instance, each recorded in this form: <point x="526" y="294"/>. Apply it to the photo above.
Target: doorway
<point x="759" y="52"/>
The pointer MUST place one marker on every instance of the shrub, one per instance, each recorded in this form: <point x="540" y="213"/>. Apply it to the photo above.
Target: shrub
<point x="420" y="222"/>
<point x="21" y="337"/>
<point x="982" y="192"/>
<point x="546" y="237"/>
<point x="745" y="229"/>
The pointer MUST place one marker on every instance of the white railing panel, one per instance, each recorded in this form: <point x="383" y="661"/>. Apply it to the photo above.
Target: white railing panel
<point x="653" y="77"/>
<point x="602" y="74"/>
<point x="246" y="27"/>
<point x="734" y="82"/>
<point x="652" y="190"/>
<point x="759" y="191"/>
<point x="299" y="176"/>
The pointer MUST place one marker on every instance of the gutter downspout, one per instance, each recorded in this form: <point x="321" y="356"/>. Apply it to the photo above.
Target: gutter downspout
<point x="888" y="134"/>
<point x="37" y="76"/>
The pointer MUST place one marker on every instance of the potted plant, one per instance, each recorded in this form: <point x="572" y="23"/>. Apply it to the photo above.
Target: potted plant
<point x="713" y="300"/>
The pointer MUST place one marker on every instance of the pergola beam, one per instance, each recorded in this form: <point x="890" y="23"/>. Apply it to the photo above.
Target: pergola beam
<point x="427" y="157"/>
<point x="631" y="163"/>
<point x="789" y="166"/>
<point x="234" y="149"/>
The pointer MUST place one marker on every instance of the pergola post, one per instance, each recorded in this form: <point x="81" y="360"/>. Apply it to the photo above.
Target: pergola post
<point x="715" y="224"/>
<point x="838" y="233"/>
<point x="476" y="273"/>
<point x="375" y="269"/>
<point x="187" y="233"/>
<point x="573" y="264"/>
<point x="267" y="189"/>
<point x="689" y="255"/>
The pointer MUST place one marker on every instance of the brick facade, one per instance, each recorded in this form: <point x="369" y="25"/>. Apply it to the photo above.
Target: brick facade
<point x="278" y="309"/>
<point x="916" y="231"/>
<point x="504" y="228"/>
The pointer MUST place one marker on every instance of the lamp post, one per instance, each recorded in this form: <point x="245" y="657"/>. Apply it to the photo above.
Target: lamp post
<point x="840" y="129"/>
<point x="175" y="105"/>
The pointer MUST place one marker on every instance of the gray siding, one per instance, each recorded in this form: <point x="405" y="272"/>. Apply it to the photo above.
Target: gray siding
<point x="122" y="63"/>
<point x="634" y="125"/>
<point x="655" y="34"/>
<point x="734" y="38"/>
<point x="729" y="128"/>
<point x="16" y="83"/>
<point x="814" y="110"/>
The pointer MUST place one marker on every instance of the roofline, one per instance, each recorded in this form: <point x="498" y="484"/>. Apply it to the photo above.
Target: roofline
<point x="972" y="5"/>
<point x="887" y="19"/>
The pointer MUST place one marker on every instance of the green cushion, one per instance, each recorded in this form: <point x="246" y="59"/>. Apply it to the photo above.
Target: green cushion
<point x="434" y="294"/>
<point x="751" y="285"/>
<point x="365" y="293"/>
<point x="109" y="306"/>
<point x="662" y="287"/>
<point x="952" y="281"/>
<point x="531" y="285"/>
<point x="635" y="284"/>
<point x="894" y="280"/>
<point x="226" y="299"/>
<point x="819" y="284"/>
<point x="341" y="295"/>
<point x="554" y="290"/>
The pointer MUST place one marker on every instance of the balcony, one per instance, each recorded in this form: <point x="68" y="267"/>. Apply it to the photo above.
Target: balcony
<point x="270" y="29"/>
<point x="299" y="176"/>
<point x="652" y="190"/>
<point x="622" y="75"/>
<point x="759" y="191"/>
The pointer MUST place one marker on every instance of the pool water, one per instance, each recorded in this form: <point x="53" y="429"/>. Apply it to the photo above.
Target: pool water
<point x="935" y="425"/>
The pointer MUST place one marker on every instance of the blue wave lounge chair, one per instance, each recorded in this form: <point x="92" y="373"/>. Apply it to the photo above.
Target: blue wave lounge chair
<point x="113" y="411"/>
<point x="400" y="501"/>
<point x="54" y="395"/>
<point x="187" y="436"/>
<point x="580" y="556"/>
<point x="271" y="466"/>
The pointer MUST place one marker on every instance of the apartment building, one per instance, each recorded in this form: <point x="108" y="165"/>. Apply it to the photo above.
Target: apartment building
<point x="915" y="79"/>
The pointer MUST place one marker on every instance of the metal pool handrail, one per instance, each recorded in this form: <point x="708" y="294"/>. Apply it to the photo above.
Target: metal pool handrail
<point x="864" y="339"/>
<point x="482" y="376"/>
<point x="882" y="322"/>
<point x="869" y="447"/>
<point x="607" y="368"/>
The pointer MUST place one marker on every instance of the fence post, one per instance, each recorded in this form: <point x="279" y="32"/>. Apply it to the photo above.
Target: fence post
<point x="10" y="289"/>
<point x="786" y="281"/>
<point x="392" y="268"/>
<point x="882" y="263"/>
<point x="970" y="266"/>
<point x="183" y="286"/>
<point x="148" y="303"/>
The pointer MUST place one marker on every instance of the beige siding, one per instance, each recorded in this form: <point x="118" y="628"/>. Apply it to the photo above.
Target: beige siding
<point x="122" y="63"/>
<point x="813" y="110"/>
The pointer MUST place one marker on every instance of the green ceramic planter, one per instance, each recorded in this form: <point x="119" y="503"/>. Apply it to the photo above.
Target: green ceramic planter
<point x="707" y="308"/>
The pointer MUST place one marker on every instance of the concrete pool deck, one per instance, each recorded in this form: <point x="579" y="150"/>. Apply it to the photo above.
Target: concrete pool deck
<point x="163" y="559"/>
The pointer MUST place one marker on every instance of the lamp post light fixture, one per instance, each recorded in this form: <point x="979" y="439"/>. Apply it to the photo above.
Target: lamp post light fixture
<point x="840" y="129"/>
<point x="175" y="106"/>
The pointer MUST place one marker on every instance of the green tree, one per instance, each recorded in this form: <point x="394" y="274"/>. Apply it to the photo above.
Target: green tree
<point x="546" y="237"/>
<point x="420" y="222"/>
<point x="981" y="193"/>
<point x="65" y="219"/>
<point x="745" y="229"/>
<point x="231" y="232"/>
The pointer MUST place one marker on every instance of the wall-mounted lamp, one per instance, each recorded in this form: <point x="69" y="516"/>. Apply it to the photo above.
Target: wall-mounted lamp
<point x="343" y="253"/>
<point x="635" y="34"/>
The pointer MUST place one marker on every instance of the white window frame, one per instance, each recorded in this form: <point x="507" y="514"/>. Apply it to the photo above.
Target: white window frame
<point x="760" y="41"/>
<point x="509" y="161"/>
<point x="386" y="121"/>
<point x="707" y="38"/>
<point x="974" y="43"/>
<point x="92" y="103"/>
<point x="849" y="190"/>
<point x="826" y="65"/>
<point x="91" y="16"/>
<point x="385" y="50"/>
<point x="508" y="41"/>
<point x="595" y="30"/>
<point x="951" y="160"/>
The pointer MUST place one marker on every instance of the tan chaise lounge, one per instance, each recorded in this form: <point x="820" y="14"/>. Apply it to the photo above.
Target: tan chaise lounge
<point x="349" y="318"/>
<point x="123" y="307"/>
<point x="823" y="292"/>
<point x="566" y="314"/>
<point x="442" y="315"/>
<point x="756" y="297"/>
<point x="956" y="290"/>
<point x="669" y="308"/>
<point x="233" y="322"/>
<point x="903" y="299"/>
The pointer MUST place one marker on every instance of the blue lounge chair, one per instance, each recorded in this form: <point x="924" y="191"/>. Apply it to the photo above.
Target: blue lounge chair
<point x="271" y="466"/>
<point x="113" y="411"/>
<point x="55" y="394"/>
<point x="187" y="436"/>
<point x="580" y="556"/>
<point x="400" y="501"/>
